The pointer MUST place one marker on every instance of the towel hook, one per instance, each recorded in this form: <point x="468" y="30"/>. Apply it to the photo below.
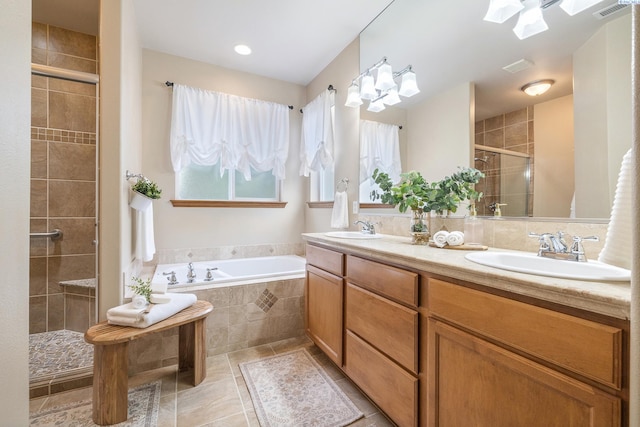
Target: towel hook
<point x="345" y="182"/>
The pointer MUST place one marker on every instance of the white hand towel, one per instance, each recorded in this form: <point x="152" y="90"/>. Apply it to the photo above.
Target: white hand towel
<point x="128" y="315"/>
<point x="618" y="243"/>
<point x="138" y="301"/>
<point x="440" y="238"/>
<point x="145" y="242"/>
<point x="455" y="238"/>
<point x="340" y="212"/>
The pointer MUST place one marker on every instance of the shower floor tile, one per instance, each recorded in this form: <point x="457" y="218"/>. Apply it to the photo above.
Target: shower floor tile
<point x="58" y="352"/>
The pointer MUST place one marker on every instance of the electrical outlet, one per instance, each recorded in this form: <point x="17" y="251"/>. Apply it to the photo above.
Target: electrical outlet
<point x="356" y="207"/>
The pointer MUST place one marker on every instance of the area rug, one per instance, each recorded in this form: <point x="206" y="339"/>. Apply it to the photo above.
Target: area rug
<point x="144" y="402"/>
<point x="292" y="389"/>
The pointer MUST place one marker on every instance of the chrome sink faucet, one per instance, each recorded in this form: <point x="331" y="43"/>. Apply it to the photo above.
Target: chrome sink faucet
<point x="554" y="246"/>
<point x="191" y="273"/>
<point x="367" y="227"/>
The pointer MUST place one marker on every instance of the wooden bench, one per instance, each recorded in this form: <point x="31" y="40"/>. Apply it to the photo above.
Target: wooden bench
<point x="111" y="360"/>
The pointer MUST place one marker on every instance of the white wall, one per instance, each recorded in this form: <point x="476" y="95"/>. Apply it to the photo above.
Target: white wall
<point x="119" y="144"/>
<point x="439" y="133"/>
<point x="15" y="114"/>
<point x="554" y="164"/>
<point x="179" y="228"/>
<point x="602" y="114"/>
<point x="338" y="73"/>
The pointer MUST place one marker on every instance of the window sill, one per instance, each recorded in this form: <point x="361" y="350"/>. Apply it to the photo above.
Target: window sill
<point x="313" y="205"/>
<point x="225" y="204"/>
<point x="375" y="206"/>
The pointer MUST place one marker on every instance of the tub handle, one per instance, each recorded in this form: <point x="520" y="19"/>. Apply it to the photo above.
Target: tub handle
<point x="172" y="277"/>
<point x="209" y="276"/>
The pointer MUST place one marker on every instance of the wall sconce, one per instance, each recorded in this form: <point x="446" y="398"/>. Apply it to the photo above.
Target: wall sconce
<point x="537" y="87"/>
<point x="382" y="90"/>
<point x="531" y="21"/>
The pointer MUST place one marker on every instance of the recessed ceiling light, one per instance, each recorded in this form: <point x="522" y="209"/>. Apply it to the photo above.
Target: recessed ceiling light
<point x="242" y="49"/>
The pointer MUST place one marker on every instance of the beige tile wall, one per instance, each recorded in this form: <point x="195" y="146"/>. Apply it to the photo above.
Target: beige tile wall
<point x="63" y="181"/>
<point x="243" y="316"/>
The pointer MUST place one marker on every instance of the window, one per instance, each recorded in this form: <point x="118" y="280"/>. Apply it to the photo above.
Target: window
<point x="195" y="182"/>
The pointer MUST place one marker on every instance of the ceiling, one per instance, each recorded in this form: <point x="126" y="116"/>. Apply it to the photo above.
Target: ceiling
<point x="293" y="40"/>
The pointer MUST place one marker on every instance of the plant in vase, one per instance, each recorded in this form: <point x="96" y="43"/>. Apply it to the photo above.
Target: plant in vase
<point x="412" y="192"/>
<point x="415" y="193"/>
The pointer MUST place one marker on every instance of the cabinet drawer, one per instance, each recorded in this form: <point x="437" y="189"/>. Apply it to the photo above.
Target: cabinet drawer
<point x="397" y="284"/>
<point x="582" y="346"/>
<point x="388" y="326"/>
<point x="326" y="259"/>
<point x="392" y="388"/>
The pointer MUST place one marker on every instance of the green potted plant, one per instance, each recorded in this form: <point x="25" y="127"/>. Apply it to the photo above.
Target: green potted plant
<point x="415" y="193"/>
<point x="144" y="192"/>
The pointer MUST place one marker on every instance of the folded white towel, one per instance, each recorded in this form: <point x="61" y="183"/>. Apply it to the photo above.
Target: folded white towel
<point x="340" y="212"/>
<point x="440" y="238"/>
<point x="160" y="298"/>
<point x="128" y="315"/>
<point x="455" y="238"/>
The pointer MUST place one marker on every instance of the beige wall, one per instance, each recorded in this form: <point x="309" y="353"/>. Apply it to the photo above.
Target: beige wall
<point x="338" y="73"/>
<point x="439" y="132"/>
<point x="120" y="145"/>
<point x="15" y="44"/>
<point x="602" y="114"/>
<point x="554" y="168"/>
<point x="177" y="228"/>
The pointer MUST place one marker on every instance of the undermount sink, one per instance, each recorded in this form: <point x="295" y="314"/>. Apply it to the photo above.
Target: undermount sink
<point x="352" y="235"/>
<point x="533" y="264"/>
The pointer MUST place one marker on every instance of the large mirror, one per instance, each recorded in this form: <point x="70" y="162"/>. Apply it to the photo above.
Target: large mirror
<point x="567" y="143"/>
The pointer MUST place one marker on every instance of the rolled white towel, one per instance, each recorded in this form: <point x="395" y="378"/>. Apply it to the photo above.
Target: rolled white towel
<point x="440" y="238"/>
<point x="455" y="238"/>
<point x="138" y="301"/>
<point x="127" y="315"/>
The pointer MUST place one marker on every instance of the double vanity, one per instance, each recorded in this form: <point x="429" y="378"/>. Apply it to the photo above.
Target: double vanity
<point x="436" y="339"/>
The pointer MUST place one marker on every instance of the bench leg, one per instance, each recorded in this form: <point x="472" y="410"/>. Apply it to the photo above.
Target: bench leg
<point x="192" y="349"/>
<point x="110" y="383"/>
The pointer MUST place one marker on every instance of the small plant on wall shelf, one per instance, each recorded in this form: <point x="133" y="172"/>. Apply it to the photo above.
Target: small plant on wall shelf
<point x="147" y="187"/>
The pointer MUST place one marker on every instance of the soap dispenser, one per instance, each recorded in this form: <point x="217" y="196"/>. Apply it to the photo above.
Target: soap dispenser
<point x="473" y="227"/>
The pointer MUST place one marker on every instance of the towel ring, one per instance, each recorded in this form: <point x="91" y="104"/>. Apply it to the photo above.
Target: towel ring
<point x="344" y="182"/>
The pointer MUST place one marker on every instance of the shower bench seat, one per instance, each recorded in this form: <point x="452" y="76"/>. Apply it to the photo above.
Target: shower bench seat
<point x="111" y="360"/>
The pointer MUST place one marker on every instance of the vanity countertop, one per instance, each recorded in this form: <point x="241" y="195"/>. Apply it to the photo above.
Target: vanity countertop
<point x="608" y="298"/>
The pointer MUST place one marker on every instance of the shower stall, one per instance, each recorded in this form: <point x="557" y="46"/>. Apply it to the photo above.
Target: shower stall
<point x="63" y="215"/>
<point x="508" y="180"/>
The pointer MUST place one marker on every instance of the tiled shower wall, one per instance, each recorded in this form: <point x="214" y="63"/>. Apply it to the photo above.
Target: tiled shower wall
<point x="63" y="180"/>
<point x="510" y="131"/>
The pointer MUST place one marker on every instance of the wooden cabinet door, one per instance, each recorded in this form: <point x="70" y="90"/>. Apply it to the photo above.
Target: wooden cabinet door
<point x="472" y="382"/>
<point x="324" y="298"/>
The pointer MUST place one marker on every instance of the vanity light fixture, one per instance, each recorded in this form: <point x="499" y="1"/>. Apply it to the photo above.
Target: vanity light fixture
<point x="531" y="21"/>
<point x="537" y="87"/>
<point x="242" y="49"/>
<point x="382" y="90"/>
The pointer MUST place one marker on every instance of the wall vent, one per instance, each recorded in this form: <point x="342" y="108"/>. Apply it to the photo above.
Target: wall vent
<point x="517" y="66"/>
<point x="607" y="11"/>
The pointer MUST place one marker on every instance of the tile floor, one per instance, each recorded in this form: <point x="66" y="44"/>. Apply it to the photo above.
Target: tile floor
<point x="223" y="399"/>
<point x="56" y="351"/>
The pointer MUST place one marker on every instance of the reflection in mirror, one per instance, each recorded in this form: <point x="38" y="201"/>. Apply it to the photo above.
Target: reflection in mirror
<point x="580" y="128"/>
<point x="379" y="149"/>
<point x="506" y="181"/>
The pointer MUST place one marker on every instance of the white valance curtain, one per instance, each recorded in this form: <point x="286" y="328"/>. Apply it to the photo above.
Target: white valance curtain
<point x="316" y="150"/>
<point x="209" y="128"/>
<point x="379" y="149"/>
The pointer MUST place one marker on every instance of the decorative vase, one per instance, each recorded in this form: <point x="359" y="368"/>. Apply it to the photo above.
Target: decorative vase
<point x="139" y="201"/>
<point x="419" y="230"/>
